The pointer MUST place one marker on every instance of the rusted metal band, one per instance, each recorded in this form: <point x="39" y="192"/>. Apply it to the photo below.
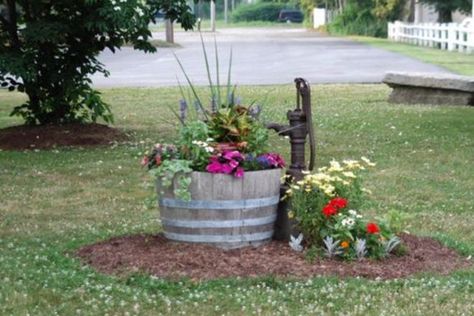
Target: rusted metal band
<point x="219" y="238"/>
<point x="220" y="204"/>
<point x="219" y="223"/>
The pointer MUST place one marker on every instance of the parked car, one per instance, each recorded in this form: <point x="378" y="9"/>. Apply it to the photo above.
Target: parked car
<point x="160" y="16"/>
<point x="290" y="15"/>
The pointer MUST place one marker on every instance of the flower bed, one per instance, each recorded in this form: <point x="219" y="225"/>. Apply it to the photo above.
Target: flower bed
<point x="326" y="207"/>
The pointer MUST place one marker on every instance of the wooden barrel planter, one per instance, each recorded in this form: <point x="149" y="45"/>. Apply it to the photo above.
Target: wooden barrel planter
<point x="225" y="211"/>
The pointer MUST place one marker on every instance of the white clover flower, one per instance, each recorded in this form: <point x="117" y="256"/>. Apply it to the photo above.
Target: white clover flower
<point x="348" y="222"/>
<point x="350" y="162"/>
<point x="352" y="212"/>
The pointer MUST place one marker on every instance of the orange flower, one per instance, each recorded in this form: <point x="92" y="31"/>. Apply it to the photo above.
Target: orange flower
<point x="345" y="244"/>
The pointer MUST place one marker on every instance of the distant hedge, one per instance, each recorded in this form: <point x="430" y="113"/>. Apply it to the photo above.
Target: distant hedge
<point x="263" y="11"/>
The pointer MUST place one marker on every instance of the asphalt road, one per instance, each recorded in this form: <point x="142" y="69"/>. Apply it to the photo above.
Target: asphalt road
<point x="260" y="56"/>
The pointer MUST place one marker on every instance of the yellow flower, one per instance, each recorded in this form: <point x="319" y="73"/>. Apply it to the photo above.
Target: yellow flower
<point x="335" y="166"/>
<point x="345" y="244"/>
<point x="353" y="164"/>
<point x="367" y="161"/>
<point x="349" y="174"/>
<point x="291" y="214"/>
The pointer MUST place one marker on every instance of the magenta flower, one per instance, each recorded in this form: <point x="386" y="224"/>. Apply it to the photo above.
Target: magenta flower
<point x="271" y="160"/>
<point x="227" y="163"/>
<point x="239" y="173"/>
<point x="230" y="155"/>
<point x="214" y="167"/>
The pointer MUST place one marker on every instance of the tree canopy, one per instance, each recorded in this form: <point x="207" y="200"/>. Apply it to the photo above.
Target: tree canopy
<point x="446" y="8"/>
<point x="49" y="49"/>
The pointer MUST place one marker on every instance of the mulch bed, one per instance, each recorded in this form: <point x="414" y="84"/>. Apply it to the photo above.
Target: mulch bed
<point x="155" y="255"/>
<point x="50" y="136"/>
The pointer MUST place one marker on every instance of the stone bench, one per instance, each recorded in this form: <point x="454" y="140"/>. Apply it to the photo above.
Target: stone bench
<point x="430" y="88"/>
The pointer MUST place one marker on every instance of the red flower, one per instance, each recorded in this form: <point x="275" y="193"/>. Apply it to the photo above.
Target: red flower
<point x="158" y="160"/>
<point x="329" y="210"/>
<point x="338" y="202"/>
<point x="144" y="161"/>
<point x="372" y="228"/>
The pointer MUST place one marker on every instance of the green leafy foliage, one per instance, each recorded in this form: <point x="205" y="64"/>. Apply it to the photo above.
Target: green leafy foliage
<point x="175" y="170"/>
<point x="193" y="144"/>
<point x="445" y="8"/>
<point x="235" y="125"/>
<point x="325" y="205"/>
<point x="49" y="50"/>
<point x="264" y="11"/>
<point x="367" y="17"/>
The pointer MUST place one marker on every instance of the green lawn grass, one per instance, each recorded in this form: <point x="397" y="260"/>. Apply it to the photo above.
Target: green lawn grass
<point x="54" y="201"/>
<point x="460" y="63"/>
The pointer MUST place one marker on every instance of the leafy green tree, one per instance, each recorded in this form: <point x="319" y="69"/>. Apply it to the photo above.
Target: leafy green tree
<point x="445" y="8"/>
<point x="49" y="49"/>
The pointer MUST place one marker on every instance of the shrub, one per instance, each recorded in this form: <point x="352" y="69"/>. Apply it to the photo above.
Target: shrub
<point x="265" y="11"/>
<point x="358" y="21"/>
<point x="49" y="50"/>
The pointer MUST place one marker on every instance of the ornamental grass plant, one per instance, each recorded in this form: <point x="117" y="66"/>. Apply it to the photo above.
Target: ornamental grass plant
<point x="221" y="137"/>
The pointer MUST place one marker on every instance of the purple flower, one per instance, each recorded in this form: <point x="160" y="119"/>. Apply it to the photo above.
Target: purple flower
<point x="183" y="107"/>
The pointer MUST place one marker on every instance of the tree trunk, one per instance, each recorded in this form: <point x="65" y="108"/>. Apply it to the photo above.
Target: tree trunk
<point x="445" y="15"/>
<point x="411" y="12"/>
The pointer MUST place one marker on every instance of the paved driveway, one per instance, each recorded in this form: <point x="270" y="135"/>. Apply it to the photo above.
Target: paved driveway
<point x="260" y="56"/>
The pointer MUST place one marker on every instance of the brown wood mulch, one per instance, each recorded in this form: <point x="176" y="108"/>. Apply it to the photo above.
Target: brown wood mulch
<point x="23" y="137"/>
<point x="156" y="255"/>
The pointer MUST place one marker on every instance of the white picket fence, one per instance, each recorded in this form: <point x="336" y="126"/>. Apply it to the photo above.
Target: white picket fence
<point x="449" y="36"/>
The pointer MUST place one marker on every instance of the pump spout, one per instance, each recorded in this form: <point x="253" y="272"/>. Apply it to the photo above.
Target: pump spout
<point x="281" y="129"/>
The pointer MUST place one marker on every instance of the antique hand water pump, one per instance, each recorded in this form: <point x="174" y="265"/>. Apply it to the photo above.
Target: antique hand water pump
<point x="299" y="129"/>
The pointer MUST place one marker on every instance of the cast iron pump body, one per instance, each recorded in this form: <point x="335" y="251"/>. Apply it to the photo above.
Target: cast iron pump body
<point x="301" y="126"/>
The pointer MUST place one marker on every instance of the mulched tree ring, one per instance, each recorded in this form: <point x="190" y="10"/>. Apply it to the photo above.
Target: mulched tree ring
<point x="51" y="136"/>
<point x="156" y="255"/>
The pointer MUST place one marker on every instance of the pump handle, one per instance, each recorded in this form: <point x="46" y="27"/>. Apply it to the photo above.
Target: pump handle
<point x="303" y="90"/>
